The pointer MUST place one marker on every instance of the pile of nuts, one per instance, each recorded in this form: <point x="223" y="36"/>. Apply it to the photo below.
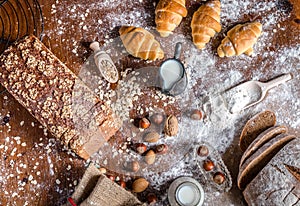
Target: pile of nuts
<point x="149" y="147"/>
<point x="209" y="165"/>
<point x="170" y="128"/>
<point x="213" y="167"/>
<point x="114" y="178"/>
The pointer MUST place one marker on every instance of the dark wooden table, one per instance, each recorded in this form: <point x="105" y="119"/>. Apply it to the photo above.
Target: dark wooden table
<point x="35" y="168"/>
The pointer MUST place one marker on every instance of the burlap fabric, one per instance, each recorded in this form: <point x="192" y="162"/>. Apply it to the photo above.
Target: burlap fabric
<point x="96" y="189"/>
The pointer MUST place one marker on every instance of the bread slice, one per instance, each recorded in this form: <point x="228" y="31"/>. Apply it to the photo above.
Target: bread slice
<point x="257" y="161"/>
<point x="255" y="126"/>
<point x="262" y="139"/>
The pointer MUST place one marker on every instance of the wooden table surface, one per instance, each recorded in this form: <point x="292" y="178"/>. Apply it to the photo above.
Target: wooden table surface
<point x="35" y="168"/>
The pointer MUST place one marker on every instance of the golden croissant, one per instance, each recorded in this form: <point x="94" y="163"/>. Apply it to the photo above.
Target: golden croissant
<point x="240" y="39"/>
<point x="206" y="22"/>
<point x="140" y="43"/>
<point x="168" y="15"/>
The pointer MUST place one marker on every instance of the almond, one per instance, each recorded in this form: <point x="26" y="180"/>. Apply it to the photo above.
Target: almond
<point x="150" y="157"/>
<point x="151" y="137"/>
<point x="140" y="185"/>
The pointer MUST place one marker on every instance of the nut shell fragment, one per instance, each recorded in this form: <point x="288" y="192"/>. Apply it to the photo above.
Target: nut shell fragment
<point x="171" y="126"/>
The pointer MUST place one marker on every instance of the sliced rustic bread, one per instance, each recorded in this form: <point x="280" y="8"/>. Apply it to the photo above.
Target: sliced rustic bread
<point x="277" y="182"/>
<point x="262" y="139"/>
<point x="259" y="159"/>
<point x="256" y="125"/>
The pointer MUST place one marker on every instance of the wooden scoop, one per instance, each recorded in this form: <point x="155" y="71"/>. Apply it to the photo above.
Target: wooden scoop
<point x="250" y="93"/>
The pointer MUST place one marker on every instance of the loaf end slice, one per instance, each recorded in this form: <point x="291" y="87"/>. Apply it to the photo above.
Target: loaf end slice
<point x="256" y="125"/>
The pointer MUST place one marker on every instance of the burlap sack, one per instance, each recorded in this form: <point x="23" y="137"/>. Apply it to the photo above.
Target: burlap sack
<point x="96" y="189"/>
<point x="86" y="184"/>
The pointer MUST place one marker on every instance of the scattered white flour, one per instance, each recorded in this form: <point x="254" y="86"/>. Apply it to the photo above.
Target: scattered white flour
<point x="208" y="76"/>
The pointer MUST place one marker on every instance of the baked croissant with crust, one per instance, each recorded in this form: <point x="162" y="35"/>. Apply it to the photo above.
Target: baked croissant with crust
<point x="240" y="39"/>
<point x="168" y="15"/>
<point x="140" y="43"/>
<point x="205" y="23"/>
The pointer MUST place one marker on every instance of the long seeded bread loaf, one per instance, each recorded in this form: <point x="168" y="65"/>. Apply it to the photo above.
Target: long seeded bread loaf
<point x="278" y="183"/>
<point x="256" y="125"/>
<point x="261" y="140"/>
<point x="260" y="158"/>
<point x="54" y="95"/>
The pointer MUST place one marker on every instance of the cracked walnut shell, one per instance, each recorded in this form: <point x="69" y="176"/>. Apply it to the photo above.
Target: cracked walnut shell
<point x="171" y="126"/>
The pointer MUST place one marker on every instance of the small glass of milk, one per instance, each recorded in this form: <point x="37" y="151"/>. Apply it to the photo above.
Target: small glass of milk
<point x="185" y="191"/>
<point x="173" y="79"/>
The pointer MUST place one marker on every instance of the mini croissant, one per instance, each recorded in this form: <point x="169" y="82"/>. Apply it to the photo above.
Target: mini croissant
<point x="140" y="43"/>
<point x="206" y="22"/>
<point x="168" y="15"/>
<point x="240" y="39"/>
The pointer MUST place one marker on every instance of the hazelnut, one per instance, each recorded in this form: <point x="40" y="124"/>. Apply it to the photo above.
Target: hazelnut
<point x="208" y="165"/>
<point x="144" y="123"/>
<point x="202" y="151"/>
<point x="219" y="178"/>
<point x="161" y="149"/>
<point x="196" y="114"/>
<point x="152" y="198"/>
<point x="135" y="166"/>
<point x="122" y="183"/>
<point x="151" y="137"/>
<point x="150" y="157"/>
<point x="157" y="118"/>
<point x="140" y="148"/>
<point x="102" y="170"/>
<point x="111" y="177"/>
<point x="140" y="185"/>
<point x="171" y="126"/>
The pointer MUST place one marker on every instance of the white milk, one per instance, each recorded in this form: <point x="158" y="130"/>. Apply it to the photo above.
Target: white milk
<point x="171" y="72"/>
<point x="188" y="194"/>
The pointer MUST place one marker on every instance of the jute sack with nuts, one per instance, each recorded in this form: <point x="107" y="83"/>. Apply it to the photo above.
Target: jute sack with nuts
<point x="96" y="189"/>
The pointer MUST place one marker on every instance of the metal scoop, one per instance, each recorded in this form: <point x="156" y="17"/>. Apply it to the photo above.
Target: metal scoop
<point x="250" y="93"/>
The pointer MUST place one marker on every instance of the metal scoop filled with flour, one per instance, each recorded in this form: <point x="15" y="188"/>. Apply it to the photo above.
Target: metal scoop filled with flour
<point x="250" y="93"/>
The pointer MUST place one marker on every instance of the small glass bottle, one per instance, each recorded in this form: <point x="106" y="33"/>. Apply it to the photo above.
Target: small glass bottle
<point x="105" y="64"/>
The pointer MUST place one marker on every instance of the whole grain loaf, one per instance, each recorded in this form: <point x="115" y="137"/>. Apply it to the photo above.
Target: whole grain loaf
<point x="278" y="183"/>
<point x="260" y="158"/>
<point x="55" y="96"/>
<point x="256" y="125"/>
